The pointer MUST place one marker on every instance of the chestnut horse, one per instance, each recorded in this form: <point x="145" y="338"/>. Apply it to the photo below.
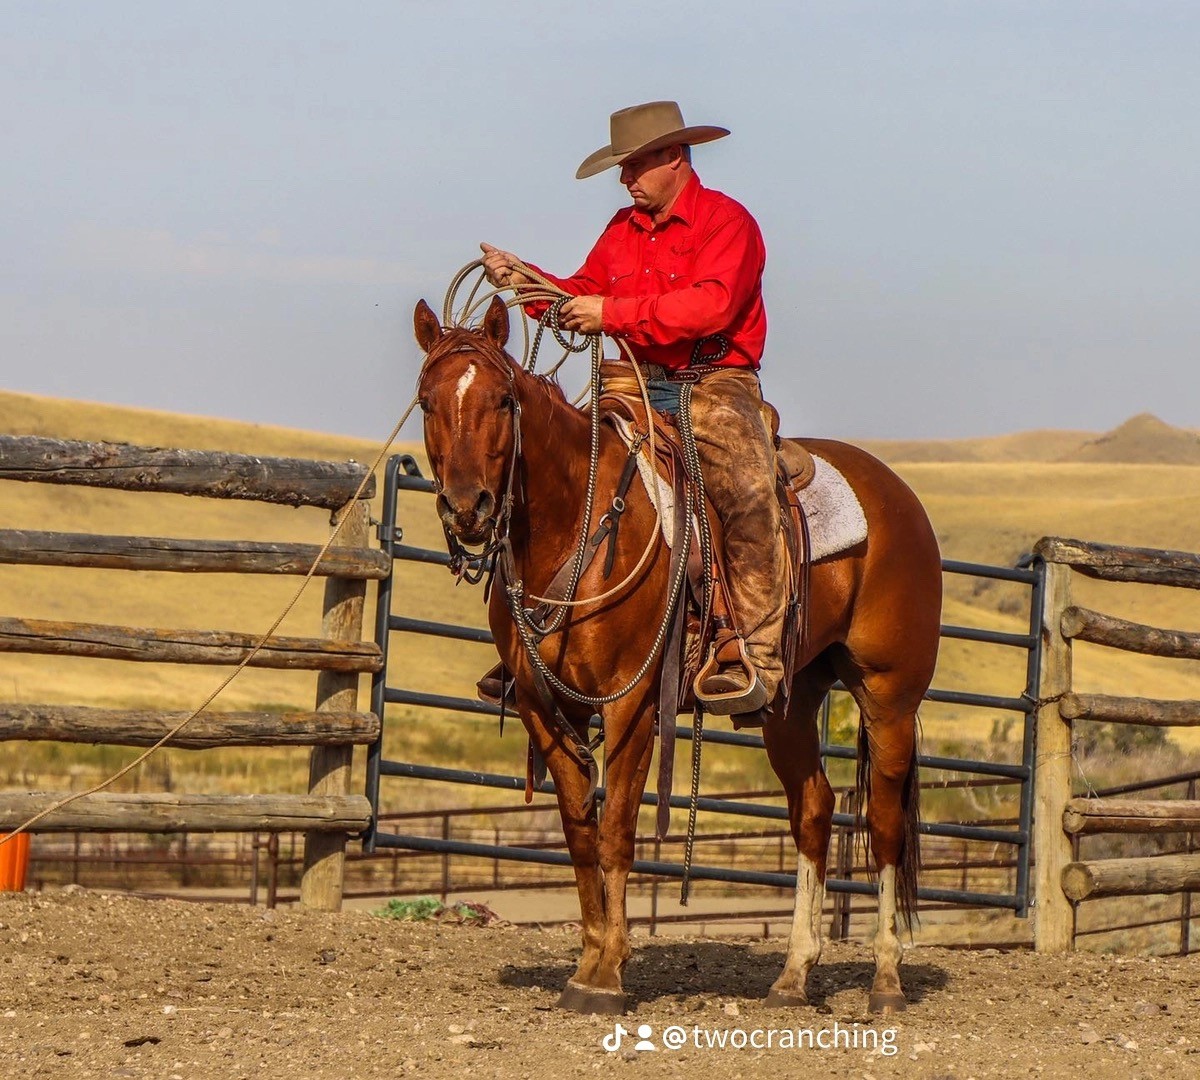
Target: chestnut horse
<point x="497" y="435"/>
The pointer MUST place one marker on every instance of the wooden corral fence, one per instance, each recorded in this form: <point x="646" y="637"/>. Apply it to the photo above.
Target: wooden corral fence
<point x="267" y="868"/>
<point x="327" y="813"/>
<point x="1061" y="883"/>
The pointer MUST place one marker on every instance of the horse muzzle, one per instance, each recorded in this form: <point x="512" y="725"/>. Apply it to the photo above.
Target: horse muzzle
<point x="469" y="518"/>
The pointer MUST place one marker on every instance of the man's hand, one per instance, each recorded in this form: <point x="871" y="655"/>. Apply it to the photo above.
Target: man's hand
<point x="583" y="313"/>
<point x="500" y="267"/>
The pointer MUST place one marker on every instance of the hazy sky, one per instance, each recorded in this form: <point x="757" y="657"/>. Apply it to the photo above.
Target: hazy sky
<point x="980" y="217"/>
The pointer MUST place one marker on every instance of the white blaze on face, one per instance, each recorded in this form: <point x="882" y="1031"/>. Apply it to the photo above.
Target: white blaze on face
<point x="460" y="392"/>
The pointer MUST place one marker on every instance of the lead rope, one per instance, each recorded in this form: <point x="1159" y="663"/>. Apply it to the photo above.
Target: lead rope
<point x="254" y="649"/>
<point x="691" y="457"/>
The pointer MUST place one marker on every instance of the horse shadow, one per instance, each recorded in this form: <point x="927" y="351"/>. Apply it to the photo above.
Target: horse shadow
<point x="680" y="970"/>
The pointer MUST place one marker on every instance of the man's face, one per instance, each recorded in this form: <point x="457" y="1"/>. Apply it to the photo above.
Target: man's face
<point x="650" y="178"/>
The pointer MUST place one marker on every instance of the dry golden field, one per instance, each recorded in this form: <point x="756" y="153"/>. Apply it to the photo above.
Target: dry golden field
<point x="989" y="499"/>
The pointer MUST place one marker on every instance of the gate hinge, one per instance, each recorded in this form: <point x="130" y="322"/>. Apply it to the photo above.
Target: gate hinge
<point x="389" y="534"/>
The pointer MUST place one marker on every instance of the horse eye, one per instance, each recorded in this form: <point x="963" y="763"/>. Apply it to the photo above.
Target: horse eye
<point x="506" y="402"/>
<point x="424" y="403"/>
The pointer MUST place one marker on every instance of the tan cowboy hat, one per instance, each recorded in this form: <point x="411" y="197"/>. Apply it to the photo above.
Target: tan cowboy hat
<point x="645" y="127"/>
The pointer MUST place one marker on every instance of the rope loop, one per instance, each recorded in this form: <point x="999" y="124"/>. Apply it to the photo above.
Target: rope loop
<point x="552" y="318"/>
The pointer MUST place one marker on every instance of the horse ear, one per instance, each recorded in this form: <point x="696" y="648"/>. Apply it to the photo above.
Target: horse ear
<point x="495" y="322"/>
<point x="426" y="326"/>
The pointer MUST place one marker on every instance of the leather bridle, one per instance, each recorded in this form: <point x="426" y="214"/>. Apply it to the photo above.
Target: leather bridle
<point x="462" y="558"/>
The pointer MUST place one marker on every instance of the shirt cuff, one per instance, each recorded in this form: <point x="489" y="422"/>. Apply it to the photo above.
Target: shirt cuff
<point x="615" y="314"/>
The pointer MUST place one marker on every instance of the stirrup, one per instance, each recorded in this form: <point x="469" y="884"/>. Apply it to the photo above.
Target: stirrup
<point x="755" y="720"/>
<point x="737" y="689"/>
<point x="496" y="683"/>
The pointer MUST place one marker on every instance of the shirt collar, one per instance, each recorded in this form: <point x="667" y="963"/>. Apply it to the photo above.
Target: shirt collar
<point x="683" y="209"/>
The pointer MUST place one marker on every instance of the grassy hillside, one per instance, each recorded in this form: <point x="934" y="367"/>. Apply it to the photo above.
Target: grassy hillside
<point x="989" y="499"/>
<point x="1142" y="439"/>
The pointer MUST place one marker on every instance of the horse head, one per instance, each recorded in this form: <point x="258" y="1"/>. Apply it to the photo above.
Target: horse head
<point x="467" y="392"/>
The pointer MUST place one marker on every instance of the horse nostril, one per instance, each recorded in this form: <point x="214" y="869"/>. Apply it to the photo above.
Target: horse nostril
<point x="485" y="504"/>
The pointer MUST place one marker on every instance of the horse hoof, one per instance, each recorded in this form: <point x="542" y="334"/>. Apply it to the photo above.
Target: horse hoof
<point x="785" y="999"/>
<point x="586" y="999"/>
<point x="886" y="1003"/>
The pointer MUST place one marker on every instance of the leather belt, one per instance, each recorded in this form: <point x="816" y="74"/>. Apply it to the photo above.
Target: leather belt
<point x="658" y="373"/>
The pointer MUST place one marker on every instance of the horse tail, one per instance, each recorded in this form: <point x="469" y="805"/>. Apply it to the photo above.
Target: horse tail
<point x="908" y="865"/>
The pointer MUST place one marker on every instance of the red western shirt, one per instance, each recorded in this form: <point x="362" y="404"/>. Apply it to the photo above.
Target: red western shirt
<point x="667" y="286"/>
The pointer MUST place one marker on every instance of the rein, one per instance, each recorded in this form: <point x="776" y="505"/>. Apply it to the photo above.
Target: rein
<point x="532" y="628"/>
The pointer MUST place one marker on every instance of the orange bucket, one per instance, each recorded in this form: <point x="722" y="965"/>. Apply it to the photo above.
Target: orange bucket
<point x="14" y="863"/>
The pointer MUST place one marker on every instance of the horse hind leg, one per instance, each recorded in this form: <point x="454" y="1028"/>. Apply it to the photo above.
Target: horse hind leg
<point x="793" y="745"/>
<point x="888" y="772"/>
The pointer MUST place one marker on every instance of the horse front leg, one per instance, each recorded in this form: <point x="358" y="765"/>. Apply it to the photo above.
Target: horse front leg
<point x="579" y="824"/>
<point x="629" y="746"/>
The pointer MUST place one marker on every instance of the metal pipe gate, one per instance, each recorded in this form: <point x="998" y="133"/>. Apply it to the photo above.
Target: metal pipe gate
<point x="403" y="474"/>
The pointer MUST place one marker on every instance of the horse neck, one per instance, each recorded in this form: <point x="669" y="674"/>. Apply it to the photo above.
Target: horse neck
<point x="555" y="448"/>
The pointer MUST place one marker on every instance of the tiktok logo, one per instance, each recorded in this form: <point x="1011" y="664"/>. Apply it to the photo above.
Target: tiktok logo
<point x="612" y="1042"/>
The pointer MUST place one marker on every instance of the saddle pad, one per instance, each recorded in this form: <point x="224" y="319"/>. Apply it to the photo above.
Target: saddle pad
<point x="835" y="516"/>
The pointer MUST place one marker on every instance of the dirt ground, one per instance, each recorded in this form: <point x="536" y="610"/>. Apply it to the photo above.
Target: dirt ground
<point x="107" y="985"/>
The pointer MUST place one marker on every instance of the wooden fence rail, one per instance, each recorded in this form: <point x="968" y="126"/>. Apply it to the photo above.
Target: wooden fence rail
<point x="1130" y="710"/>
<point x="124" y="727"/>
<point x="21" y="547"/>
<point x="327" y="813"/>
<point x="151" y="645"/>
<point x="1083" y="624"/>
<point x="1132" y="877"/>
<point x="290" y="481"/>
<point x="1062" y="881"/>
<point x="1111" y="562"/>
<point x="1084" y="816"/>
<point x="171" y="812"/>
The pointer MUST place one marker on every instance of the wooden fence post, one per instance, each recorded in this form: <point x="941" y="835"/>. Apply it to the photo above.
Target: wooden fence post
<point x="329" y="766"/>
<point x="1054" y="917"/>
<point x="1185" y="902"/>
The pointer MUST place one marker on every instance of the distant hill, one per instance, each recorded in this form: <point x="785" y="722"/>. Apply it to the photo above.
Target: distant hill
<point x="61" y="418"/>
<point x="1141" y="440"/>
<point x="1022" y="446"/>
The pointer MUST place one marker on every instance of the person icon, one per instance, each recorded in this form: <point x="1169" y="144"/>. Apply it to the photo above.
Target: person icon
<point x="644" y="1032"/>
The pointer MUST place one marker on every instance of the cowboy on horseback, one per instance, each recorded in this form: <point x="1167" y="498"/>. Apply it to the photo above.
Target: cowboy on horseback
<point x="677" y="276"/>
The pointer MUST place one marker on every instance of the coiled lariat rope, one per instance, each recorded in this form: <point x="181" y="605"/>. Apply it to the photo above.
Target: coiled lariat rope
<point x="543" y="290"/>
<point x="531" y="634"/>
